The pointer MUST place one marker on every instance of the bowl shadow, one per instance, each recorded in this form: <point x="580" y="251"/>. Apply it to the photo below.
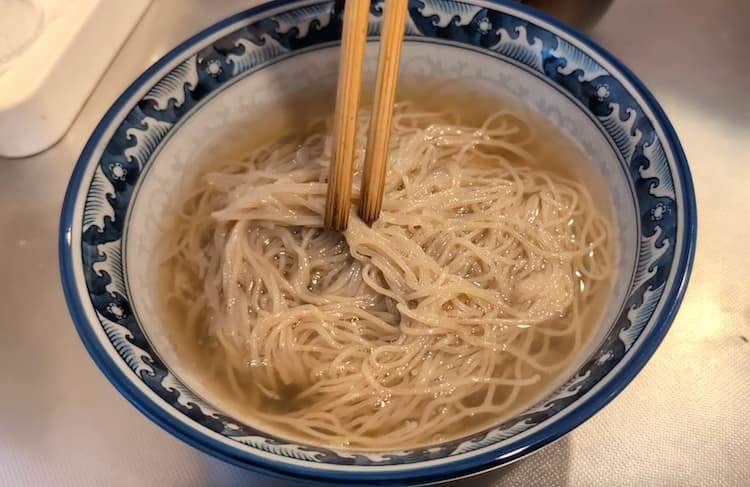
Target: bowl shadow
<point x="549" y="467"/>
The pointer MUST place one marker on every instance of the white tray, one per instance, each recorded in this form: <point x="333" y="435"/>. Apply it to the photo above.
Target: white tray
<point x="44" y="87"/>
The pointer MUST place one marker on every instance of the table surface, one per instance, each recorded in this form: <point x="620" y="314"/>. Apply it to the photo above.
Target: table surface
<point x="682" y="421"/>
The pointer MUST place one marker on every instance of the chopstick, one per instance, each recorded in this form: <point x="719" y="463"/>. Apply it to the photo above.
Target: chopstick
<point x="378" y="139"/>
<point x="354" y="38"/>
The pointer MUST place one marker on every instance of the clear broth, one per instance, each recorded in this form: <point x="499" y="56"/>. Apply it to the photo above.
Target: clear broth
<point x="559" y="153"/>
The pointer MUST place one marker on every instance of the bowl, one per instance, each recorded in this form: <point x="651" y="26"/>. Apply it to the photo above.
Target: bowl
<point x="194" y="102"/>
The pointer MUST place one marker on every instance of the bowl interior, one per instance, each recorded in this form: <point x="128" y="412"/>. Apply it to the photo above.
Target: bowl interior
<point x="194" y="103"/>
<point x="218" y="124"/>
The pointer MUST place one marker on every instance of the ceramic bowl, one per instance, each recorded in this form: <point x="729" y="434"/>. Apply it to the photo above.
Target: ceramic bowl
<point x="188" y="104"/>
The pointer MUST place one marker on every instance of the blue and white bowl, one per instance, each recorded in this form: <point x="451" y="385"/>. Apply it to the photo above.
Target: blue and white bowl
<point x="187" y="103"/>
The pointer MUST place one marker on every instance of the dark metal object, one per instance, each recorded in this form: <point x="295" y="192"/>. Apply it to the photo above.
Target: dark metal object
<point x="581" y="14"/>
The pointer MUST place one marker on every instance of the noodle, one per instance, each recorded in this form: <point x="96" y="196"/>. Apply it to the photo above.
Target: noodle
<point x="466" y="295"/>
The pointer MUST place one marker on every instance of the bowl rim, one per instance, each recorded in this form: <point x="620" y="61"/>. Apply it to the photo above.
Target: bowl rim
<point x="617" y="380"/>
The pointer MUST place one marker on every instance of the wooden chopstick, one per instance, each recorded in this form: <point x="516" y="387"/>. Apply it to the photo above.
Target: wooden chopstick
<point x="338" y="196"/>
<point x="378" y="139"/>
<point x="354" y="38"/>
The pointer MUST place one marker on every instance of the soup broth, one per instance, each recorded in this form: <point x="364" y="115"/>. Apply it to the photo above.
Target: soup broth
<point x="467" y="300"/>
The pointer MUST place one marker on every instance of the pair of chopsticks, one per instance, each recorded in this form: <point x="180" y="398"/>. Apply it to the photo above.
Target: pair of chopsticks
<point x="338" y="197"/>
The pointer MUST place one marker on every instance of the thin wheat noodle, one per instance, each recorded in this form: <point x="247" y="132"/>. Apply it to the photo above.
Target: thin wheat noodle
<point x="468" y="290"/>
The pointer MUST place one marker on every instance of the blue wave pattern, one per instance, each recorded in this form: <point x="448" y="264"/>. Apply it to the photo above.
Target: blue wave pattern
<point x="175" y="85"/>
<point x="249" y="47"/>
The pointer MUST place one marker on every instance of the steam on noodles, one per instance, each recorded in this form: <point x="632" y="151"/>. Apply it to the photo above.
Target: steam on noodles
<point x="466" y="296"/>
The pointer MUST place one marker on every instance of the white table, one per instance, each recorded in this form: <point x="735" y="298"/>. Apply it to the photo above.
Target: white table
<point x="682" y="421"/>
